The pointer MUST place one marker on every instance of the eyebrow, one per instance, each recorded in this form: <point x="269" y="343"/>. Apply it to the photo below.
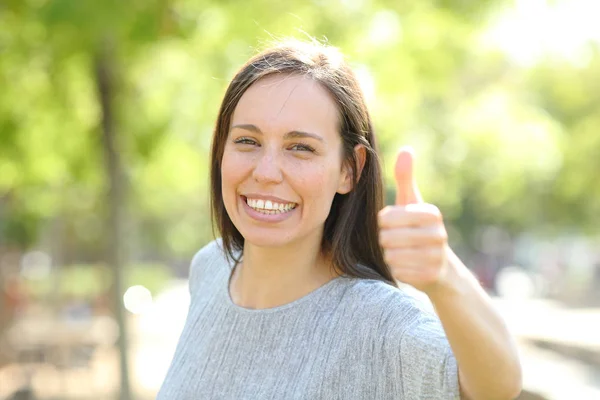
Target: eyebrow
<point x="290" y="135"/>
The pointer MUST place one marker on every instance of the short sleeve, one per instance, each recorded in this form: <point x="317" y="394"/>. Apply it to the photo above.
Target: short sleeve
<point x="429" y="368"/>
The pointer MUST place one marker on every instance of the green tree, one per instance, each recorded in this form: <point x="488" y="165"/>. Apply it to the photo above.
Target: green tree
<point x="497" y="143"/>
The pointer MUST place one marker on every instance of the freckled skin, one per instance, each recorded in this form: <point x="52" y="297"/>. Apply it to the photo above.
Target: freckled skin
<point x="271" y="164"/>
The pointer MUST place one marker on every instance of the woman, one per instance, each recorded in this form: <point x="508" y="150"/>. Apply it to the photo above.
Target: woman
<point x="299" y="299"/>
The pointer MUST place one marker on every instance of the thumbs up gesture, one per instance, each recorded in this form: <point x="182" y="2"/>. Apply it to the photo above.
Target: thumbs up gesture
<point x="412" y="233"/>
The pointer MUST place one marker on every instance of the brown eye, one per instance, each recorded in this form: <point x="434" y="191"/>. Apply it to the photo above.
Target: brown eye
<point x="302" y="147"/>
<point x="245" y="140"/>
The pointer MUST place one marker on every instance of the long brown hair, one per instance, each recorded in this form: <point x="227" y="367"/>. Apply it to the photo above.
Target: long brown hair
<point x="351" y="232"/>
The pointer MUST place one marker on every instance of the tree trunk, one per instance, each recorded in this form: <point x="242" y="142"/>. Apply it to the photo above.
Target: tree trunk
<point x="106" y="83"/>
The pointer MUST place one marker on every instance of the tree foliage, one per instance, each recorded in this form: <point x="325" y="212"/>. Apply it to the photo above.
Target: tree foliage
<point x="497" y="143"/>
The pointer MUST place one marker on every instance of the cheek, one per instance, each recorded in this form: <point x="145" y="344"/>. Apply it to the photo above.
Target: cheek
<point x="233" y="170"/>
<point x="233" y="164"/>
<point x="319" y="183"/>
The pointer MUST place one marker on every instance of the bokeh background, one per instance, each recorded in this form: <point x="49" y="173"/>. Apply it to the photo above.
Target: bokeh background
<point x="106" y="114"/>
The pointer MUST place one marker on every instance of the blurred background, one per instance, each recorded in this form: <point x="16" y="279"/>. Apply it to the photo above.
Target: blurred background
<point x="106" y="114"/>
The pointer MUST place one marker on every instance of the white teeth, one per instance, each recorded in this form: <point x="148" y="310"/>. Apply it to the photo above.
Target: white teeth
<point x="269" y="207"/>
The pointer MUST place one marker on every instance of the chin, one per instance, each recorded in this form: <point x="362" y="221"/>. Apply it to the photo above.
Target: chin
<point x="266" y="240"/>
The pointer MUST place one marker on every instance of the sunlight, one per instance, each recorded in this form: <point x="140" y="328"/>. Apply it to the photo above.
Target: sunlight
<point x="533" y="29"/>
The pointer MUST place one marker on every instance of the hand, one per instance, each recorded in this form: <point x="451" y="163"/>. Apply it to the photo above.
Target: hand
<point x="412" y="233"/>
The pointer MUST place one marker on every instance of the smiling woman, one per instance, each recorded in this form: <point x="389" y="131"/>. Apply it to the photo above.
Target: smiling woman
<point x="298" y="299"/>
<point x="270" y="155"/>
<point x="298" y="108"/>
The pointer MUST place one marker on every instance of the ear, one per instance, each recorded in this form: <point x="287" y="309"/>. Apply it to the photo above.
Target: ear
<point x="346" y="184"/>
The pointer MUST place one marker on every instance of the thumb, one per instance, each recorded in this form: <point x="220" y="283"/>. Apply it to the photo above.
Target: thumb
<point x="407" y="191"/>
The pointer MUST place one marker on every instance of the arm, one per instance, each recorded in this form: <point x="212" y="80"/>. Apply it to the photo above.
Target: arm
<point x="415" y="246"/>
<point x="487" y="357"/>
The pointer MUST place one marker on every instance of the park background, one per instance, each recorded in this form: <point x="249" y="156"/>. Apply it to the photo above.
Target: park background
<point x="106" y="116"/>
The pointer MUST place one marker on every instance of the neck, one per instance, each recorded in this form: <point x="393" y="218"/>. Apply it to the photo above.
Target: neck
<point x="273" y="276"/>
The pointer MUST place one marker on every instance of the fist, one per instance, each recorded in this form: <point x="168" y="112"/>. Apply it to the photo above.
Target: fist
<point x="412" y="233"/>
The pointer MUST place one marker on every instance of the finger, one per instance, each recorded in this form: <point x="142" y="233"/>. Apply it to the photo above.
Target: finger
<point x="414" y="257"/>
<point x="412" y="237"/>
<point x="410" y="215"/>
<point x="407" y="191"/>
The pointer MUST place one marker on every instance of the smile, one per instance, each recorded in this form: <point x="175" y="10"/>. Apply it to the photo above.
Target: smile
<point x="269" y="207"/>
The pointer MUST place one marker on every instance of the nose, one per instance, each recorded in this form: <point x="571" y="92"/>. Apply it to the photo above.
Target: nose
<point x="267" y="169"/>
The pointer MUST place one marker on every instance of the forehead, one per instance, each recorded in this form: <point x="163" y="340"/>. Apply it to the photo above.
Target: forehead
<point x="281" y="103"/>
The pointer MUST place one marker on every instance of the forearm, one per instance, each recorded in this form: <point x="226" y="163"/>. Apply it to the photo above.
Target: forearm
<point x="486" y="354"/>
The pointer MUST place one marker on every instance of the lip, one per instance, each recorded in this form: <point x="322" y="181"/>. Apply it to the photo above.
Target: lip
<point x="272" y="218"/>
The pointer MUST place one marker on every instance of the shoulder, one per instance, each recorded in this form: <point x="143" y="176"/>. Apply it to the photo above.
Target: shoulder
<point x="414" y="346"/>
<point x="210" y="257"/>
<point x="397" y="316"/>
<point x="209" y="252"/>
<point x="396" y="308"/>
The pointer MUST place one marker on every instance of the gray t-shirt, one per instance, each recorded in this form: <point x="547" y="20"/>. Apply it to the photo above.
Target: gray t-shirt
<point x="349" y="339"/>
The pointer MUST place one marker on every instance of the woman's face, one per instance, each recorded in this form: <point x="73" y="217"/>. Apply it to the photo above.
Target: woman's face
<point x="282" y="163"/>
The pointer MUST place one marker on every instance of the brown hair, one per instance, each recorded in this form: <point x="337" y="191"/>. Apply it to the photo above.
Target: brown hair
<point x="351" y="232"/>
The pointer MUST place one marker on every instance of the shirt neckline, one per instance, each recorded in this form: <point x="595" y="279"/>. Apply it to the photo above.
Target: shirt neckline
<point x="309" y="296"/>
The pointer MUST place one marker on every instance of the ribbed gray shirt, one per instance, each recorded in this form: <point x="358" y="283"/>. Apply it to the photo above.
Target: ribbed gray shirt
<point x="349" y="339"/>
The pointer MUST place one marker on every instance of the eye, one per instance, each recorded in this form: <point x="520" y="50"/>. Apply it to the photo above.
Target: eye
<point x="302" y="147"/>
<point x="245" y="140"/>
